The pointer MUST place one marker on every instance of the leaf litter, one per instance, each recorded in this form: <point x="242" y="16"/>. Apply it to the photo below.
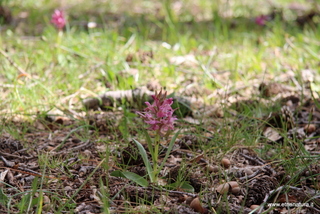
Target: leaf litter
<point x="74" y="157"/>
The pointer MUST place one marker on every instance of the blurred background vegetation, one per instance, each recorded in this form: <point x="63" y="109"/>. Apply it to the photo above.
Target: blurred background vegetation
<point x="111" y="45"/>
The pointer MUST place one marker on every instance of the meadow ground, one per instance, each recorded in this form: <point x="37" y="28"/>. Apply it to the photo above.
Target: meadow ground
<point x="244" y="78"/>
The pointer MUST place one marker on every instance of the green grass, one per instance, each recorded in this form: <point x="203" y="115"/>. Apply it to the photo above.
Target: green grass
<point x="78" y="57"/>
<point x="229" y="49"/>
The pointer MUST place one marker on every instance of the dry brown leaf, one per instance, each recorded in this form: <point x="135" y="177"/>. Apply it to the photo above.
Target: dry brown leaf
<point x="271" y="134"/>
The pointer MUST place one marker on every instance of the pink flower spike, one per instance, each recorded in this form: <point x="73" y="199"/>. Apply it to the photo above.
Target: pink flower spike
<point x="261" y="20"/>
<point x="159" y="115"/>
<point x="58" y="19"/>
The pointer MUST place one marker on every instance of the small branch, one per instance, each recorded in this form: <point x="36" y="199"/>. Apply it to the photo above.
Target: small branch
<point x="302" y="191"/>
<point x="111" y="97"/>
<point x="247" y="177"/>
<point x="260" y="162"/>
<point x="14" y="156"/>
<point x="83" y="145"/>
<point x="22" y="72"/>
<point x="173" y="192"/>
<point x="6" y="162"/>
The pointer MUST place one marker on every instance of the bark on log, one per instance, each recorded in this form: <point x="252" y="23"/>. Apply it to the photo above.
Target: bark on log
<point x="110" y="98"/>
<point x="135" y="98"/>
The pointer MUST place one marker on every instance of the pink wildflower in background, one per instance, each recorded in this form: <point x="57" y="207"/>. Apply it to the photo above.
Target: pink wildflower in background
<point x="262" y="20"/>
<point x="159" y="115"/>
<point x="58" y="19"/>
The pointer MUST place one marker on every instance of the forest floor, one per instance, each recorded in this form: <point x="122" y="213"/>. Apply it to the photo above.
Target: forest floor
<point x="246" y="97"/>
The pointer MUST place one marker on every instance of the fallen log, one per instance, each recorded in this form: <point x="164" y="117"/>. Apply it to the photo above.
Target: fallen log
<point x="112" y="98"/>
<point x="134" y="98"/>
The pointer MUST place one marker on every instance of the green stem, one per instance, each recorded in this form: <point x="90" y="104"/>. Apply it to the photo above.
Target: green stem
<point x="57" y="46"/>
<point x="155" y="155"/>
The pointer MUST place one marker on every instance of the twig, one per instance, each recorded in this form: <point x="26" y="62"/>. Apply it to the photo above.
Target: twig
<point x="22" y="72"/>
<point x="267" y="197"/>
<point x="6" y="162"/>
<point x="26" y="171"/>
<point x="186" y="153"/>
<point x="14" y="156"/>
<point x="85" y="144"/>
<point x="12" y="166"/>
<point x="82" y="185"/>
<point x="260" y="162"/>
<point x="314" y="152"/>
<point x="247" y="177"/>
<point x="171" y="191"/>
<point x="65" y="139"/>
<point x="279" y="189"/>
<point x="9" y="86"/>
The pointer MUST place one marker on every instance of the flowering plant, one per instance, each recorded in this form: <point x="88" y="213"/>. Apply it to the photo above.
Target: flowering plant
<point x="159" y="114"/>
<point x="58" y="19"/>
<point x="159" y="117"/>
<point x="262" y="20"/>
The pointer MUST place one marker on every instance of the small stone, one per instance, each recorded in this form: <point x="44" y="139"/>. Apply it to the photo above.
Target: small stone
<point x="67" y="188"/>
<point x="310" y="128"/>
<point x="189" y="200"/>
<point x="233" y="184"/>
<point x="235" y="189"/>
<point x="248" y="171"/>
<point x="211" y="168"/>
<point x="223" y="188"/>
<point x="225" y="163"/>
<point x="271" y="89"/>
<point x="196" y="205"/>
<point x="254" y="206"/>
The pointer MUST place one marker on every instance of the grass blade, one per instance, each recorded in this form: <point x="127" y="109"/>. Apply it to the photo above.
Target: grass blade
<point x="131" y="176"/>
<point x="80" y="188"/>
<point x="169" y="149"/>
<point x="144" y="156"/>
